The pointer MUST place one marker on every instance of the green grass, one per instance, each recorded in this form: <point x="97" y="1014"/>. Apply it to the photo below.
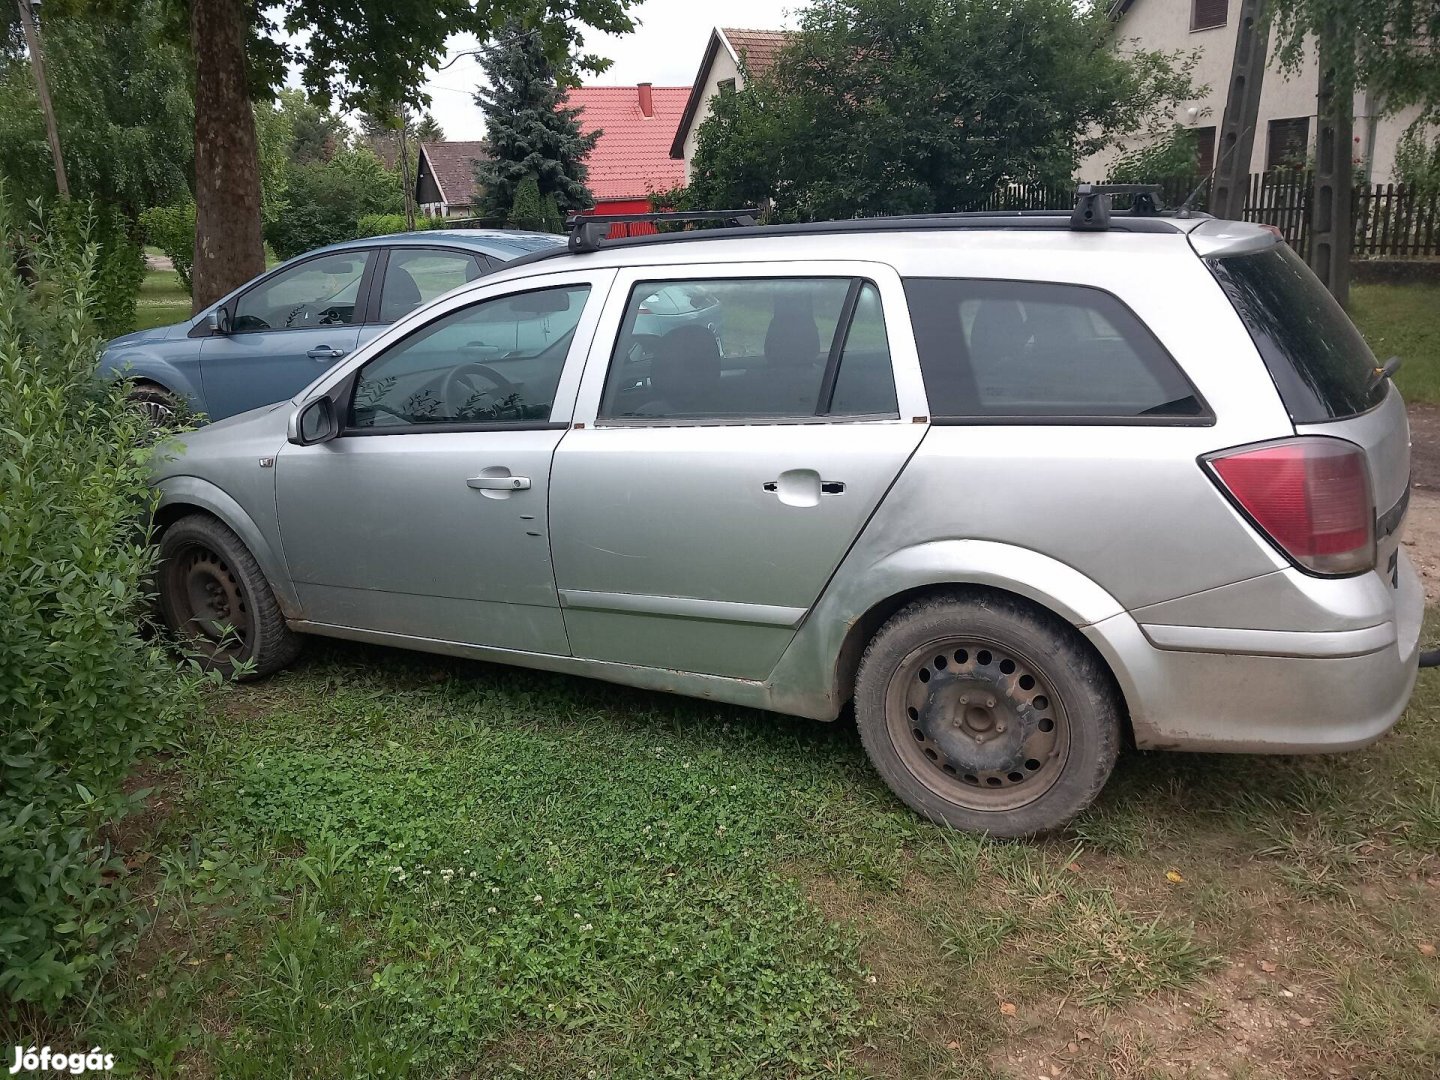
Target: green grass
<point x="162" y="301"/>
<point x="388" y="864"/>
<point x="1404" y="321"/>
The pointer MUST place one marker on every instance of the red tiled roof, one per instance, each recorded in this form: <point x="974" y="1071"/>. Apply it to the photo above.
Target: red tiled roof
<point x="453" y="166"/>
<point x="632" y="158"/>
<point x="757" y="49"/>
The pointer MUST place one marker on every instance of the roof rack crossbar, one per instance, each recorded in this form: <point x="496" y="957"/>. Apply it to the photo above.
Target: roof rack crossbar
<point x="1092" y="204"/>
<point x="589" y="229"/>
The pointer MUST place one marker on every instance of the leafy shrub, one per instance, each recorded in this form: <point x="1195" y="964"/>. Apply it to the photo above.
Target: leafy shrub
<point x="172" y="230"/>
<point x="327" y="199"/>
<point x="119" y="262"/>
<point x="380" y="224"/>
<point x="1417" y="161"/>
<point x="82" y="694"/>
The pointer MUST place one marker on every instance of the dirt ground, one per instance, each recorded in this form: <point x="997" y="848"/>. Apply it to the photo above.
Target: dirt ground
<point x="1422" y="528"/>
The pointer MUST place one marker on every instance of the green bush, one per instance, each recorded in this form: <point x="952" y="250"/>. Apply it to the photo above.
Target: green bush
<point x="82" y="693"/>
<point x="380" y="224"/>
<point x="172" y="230"/>
<point x="119" y="263"/>
<point x="527" y="212"/>
<point x="327" y="199"/>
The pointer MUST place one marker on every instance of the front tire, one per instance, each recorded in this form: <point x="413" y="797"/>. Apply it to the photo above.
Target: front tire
<point x="986" y="714"/>
<point x="217" y="603"/>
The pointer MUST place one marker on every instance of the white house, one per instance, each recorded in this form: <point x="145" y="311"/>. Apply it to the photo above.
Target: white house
<point x="1285" y="133"/>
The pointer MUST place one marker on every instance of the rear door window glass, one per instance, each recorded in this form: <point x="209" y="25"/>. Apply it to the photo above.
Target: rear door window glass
<point x="996" y="349"/>
<point x="1318" y="360"/>
<point x="750" y="349"/>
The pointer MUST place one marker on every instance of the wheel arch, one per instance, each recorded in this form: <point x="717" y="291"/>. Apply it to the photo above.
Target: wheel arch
<point x="860" y="601"/>
<point x="145" y="369"/>
<point x="183" y="495"/>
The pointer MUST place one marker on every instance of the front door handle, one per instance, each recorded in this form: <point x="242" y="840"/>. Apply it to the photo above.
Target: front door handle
<point x="499" y="483"/>
<point x="325" y="352"/>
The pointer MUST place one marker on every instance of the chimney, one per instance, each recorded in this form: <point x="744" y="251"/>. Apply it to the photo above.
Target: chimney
<point x="647" y="101"/>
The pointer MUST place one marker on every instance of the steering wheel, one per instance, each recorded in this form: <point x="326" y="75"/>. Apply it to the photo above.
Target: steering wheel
<point x="466" y="383"/>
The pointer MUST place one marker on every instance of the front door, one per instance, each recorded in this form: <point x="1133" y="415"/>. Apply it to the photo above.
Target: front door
<point x="285" y="332"/>
<point x="428" y="516"/>
<point x="731" y="461"/>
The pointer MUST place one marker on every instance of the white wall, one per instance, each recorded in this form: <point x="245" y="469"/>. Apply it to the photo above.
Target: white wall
<point x="723" y="67"/>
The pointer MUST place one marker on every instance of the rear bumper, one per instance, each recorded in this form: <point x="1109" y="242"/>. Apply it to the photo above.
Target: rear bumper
<point x="1220" y="689"/>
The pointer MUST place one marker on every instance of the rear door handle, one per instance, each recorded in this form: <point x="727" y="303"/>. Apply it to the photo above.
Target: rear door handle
<point x="325" y="352"/>
<point x="499" y="483"/>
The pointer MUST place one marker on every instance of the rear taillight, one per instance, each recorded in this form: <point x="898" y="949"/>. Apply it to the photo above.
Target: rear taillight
<point x="1310" y="496"/>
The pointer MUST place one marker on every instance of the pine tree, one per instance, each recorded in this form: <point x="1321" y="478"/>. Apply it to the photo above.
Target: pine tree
<point x="553" y="221"/>
<point x="529" y="131"/>
<point x="428" y="129"/>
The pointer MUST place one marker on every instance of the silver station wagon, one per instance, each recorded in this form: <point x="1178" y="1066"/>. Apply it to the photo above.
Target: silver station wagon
<point x="1019" y="487"/>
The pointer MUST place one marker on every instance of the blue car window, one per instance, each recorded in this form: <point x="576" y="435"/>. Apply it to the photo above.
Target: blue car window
<point x="415" y="276"/>
<point x="317" y="292"/>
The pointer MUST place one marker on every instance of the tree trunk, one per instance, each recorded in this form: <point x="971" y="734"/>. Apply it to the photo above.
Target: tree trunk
<point x="229" y="249"/>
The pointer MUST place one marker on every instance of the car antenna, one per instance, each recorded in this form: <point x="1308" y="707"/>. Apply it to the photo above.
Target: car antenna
<point x="1184" y="210"/>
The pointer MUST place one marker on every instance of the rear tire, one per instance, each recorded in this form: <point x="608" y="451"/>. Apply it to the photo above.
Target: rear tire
<point x="216" y="601"/>
<point x="986" y="714"/>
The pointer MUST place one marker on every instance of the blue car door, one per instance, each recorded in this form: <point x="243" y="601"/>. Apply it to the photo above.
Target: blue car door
<point x="285" y="331"/>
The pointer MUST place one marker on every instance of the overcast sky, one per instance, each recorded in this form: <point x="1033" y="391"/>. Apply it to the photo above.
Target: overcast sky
<point x="665" y="49"/>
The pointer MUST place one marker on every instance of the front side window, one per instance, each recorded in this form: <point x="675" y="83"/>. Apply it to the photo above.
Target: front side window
<point x="495" y="362"/>
<point x="1034" y="349"/>
<point x="750" y="349"/>
<point x="415" y="276"/>
<point x="318" y="292"/>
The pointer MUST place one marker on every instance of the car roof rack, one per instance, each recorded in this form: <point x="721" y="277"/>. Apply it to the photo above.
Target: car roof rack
<point x="590" y="229"/>
<point x="1092" y="213"/>
<point x="1092" y="204"/>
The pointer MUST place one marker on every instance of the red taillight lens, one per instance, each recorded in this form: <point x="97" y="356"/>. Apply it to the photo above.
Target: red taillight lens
<point x="1310" y="496"/>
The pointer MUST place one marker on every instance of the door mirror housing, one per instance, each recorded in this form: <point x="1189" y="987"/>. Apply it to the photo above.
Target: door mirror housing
<point x="219" y="321"/>
<point x="314" y="422"/>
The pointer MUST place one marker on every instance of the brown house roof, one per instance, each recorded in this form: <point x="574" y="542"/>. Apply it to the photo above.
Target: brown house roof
<point x="755" y="49"/>
<point x="452" y="165"/>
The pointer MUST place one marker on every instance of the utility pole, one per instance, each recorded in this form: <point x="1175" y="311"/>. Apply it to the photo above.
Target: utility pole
<point x="42" y="88"/>
<point x="405" y="169"/>
<point x="1242" y="113"/>
<point x="1330" y="222"/>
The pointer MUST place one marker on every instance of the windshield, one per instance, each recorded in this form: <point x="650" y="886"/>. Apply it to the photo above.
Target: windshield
<point x="1320" y="363"/>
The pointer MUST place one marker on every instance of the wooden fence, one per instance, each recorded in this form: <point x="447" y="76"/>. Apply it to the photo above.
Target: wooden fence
<point x="1392" y="221"/>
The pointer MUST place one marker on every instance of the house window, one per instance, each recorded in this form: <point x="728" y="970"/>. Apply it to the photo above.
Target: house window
<point x="1289" y="143"/>
<point x="726" y="86"/>
<point x="1205" y="150"/>
<point x="1208" y="14"/>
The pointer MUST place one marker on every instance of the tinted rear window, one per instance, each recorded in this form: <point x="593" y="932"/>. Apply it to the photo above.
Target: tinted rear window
<point x="1320" y="363"/>
<point x="1028" y="349"/>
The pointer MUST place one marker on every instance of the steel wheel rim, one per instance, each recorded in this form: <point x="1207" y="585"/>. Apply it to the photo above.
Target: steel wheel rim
<point x="977" y="722"/>
<point x="210" y="605"/>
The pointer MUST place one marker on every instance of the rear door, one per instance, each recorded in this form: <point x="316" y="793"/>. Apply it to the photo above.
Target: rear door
<point x="715" y="478"/>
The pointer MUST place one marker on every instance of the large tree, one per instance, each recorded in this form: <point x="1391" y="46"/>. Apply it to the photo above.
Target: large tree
<point x="354" y="53"/>
<point x="121" y="102"/>
<point x="529" y="129"/>
<point x="926" y="105"/>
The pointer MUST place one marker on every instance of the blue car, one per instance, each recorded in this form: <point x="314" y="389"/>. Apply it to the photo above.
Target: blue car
<point x="275" y="335"/>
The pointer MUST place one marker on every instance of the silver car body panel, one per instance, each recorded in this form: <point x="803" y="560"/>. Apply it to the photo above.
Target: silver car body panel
<point x="671" y="567"/>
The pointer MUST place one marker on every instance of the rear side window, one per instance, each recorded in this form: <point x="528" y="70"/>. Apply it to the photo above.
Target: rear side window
<point x="1320" y="363"/>
<point x="1024" y="349"/>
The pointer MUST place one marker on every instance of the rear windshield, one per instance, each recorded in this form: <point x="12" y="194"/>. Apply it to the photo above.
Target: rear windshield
<point x="1320" y="363"/>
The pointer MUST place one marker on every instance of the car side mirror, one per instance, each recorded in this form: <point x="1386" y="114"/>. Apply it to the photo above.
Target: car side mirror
<point x="314" y="422"/>
<point x="219" y="321"/>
